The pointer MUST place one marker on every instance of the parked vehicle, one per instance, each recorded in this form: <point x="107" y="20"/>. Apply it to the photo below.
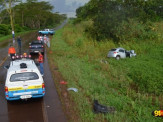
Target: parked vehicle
<point x="120" y="53"/>
<point x="46" y="32"/>
<point x="23" y="80"/>
<point x="36" y="46"/>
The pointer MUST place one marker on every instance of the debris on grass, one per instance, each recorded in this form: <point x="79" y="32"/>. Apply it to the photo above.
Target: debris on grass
<point x="73" y="89"/>
<point x="98" y="108"/>
<point x="103" y="61"/>
<point x="63" y="82"/>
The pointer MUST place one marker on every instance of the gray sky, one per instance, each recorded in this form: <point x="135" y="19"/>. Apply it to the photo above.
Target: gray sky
<point x="67" y="6"/>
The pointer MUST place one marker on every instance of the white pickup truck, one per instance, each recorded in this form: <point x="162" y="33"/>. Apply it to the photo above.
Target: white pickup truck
<point x="47" y="32"/>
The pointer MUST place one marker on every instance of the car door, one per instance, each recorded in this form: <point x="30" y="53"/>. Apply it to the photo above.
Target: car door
<point x="122" y="53"/>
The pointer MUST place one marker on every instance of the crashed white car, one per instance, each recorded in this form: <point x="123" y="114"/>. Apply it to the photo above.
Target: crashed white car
<point x="120" y="53"/>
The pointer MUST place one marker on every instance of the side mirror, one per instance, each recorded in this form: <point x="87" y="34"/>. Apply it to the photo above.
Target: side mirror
<point x="6" y="67"/>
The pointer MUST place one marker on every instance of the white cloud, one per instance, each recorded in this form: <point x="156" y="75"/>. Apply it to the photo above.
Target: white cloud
<point x="66" y="6"/>
<point x="70" y="2"/>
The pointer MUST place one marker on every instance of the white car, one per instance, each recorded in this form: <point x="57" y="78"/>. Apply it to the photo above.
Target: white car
<point x="120" y="53"/>
<point x="23" y="80"/>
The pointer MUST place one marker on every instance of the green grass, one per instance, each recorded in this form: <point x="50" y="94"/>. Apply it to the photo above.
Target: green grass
<point x="132" y="85"/>
<point x="10" y="36"/>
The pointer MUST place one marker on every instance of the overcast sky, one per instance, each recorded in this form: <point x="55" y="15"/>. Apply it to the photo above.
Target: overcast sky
<point x="66" y="6"/>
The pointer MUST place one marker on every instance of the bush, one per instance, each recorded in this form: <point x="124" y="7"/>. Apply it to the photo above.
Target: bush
<point x="134" y="30"/>
<point x="4" y="29"/>
<point x="18" y="28"/>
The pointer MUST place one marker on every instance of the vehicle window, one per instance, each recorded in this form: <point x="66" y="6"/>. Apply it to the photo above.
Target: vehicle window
<point x="36" y="42"/>
<point x="113" y="50"/>
<point x="121" y="50"/>
<point x="24" y="76"/>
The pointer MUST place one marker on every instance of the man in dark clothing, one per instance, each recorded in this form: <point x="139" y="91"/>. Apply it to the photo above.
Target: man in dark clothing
<point x="19" y="44"/>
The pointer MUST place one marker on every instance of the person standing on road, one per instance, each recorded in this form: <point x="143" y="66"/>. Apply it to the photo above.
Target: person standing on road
<point x="11" y="51"/>
<point x="38" y="38"/>
<point x="48" y="42"/>
<point x="13" y="36"/>
<point x="40" y="60"/>
<point x="45" y="39"/>
<point x="19" y="44"/>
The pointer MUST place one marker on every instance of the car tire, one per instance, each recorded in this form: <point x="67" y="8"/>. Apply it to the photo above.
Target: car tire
<point x="117" y="57"/>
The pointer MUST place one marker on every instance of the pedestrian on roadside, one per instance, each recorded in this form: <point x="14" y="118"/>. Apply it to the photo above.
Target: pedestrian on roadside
<point x="41" y="39"/>
<point x="13" y="36"/>
<point x="41" y="60"/>
<point x="38" y="38"/>
<point x="48" y="42"/>
<point x="45" y="39"/>
<point x="19" y="44"/>
<point x="11" y="51"/>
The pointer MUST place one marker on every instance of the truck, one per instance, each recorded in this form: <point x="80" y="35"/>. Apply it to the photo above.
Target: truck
<point x="23" y="80"/>
<point x="46" y="32"/>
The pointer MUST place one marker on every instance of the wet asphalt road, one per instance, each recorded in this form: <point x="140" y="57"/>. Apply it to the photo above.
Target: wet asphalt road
<point x="47" y="109"/>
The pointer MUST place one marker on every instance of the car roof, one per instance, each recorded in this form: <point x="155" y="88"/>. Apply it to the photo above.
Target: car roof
<point x="15" y="66"/>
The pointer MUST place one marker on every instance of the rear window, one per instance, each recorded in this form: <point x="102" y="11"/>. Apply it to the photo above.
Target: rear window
<point x="113" y="50"/>
<point x="36" y="42"/>
<point x="24" y="76"/>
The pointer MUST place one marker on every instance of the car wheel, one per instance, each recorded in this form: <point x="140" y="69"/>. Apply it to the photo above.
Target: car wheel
<point x="117" y="57"/>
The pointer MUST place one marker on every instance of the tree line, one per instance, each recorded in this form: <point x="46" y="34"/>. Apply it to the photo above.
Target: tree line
<point x="121" y="19"/>
<point x="18" y="16"/>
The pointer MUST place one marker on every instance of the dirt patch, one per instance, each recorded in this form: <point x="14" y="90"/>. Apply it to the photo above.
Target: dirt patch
<point x="65" y="97"/>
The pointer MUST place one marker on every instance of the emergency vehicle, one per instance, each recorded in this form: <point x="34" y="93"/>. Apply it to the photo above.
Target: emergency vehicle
<point x="23" y="80"/>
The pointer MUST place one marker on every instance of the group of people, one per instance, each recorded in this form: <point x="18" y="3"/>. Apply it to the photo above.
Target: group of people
<point x="44" y="39"/>
<point x="12" y="51"/>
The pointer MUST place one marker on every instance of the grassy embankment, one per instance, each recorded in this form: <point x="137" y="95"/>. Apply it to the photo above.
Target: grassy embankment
<point x="132" y="85"/>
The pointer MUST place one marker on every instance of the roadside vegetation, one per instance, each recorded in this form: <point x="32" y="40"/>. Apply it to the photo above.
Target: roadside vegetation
<point x="132" y="85"/>
<point x="17" y="34"/>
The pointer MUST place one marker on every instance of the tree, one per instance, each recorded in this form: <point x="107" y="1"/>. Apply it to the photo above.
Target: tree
<point x="109" y="15"/>
<point x="8" y="5"/>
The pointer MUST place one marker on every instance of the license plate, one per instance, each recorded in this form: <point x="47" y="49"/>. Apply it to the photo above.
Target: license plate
<point x="36" y="51"/>
<point x="25" y="96"/>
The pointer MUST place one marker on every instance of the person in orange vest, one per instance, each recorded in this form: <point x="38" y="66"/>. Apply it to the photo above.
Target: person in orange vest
<point x="11" y="51"/>
<point x="41" y="60"/>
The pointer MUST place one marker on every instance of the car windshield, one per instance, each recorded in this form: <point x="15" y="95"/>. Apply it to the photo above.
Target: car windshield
<point x="24" y="76"/>
<point x="113" y="50"/>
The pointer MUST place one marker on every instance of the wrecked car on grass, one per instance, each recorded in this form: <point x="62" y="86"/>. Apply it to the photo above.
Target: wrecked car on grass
<point x="120" y="53"/>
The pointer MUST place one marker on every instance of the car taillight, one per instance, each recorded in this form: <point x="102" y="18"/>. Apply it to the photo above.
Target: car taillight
<point x="115" y="52"/>
<point x="43" y="85"/>
<point x="30" y="46"/>
<point x="6" y="89"/>
<point x="42" y="46"/>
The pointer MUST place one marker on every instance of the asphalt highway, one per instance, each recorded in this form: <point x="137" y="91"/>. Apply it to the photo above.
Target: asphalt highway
<point x="46" y="109"/>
